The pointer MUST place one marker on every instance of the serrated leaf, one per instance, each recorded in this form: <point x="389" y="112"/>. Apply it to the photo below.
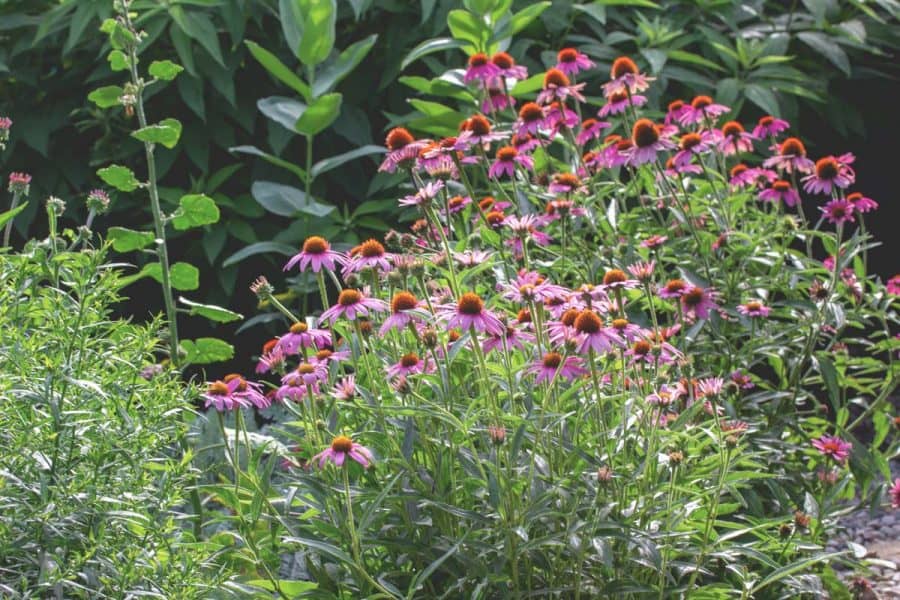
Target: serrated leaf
<point x="204" y="351"/>
<point x="166" y="132"/>
<point x="211" y="311"/>
<point x="119" y="177"/>
<point x="107" y="96"/>
<point x="165" y="70"/>
<point x="195" y="210"/>
<point x="128" y="240"/>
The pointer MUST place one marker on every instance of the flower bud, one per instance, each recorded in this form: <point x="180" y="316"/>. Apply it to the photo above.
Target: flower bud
<point x="98" y="201"/>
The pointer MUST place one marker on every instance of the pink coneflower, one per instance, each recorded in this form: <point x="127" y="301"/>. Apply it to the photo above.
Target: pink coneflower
<point x="5" y="125"/>
<point x="511" y="338"/>
<point x="524" y="142"/>
<point x="893" y="285"/>
<point x="300" y="382"/>
<point x="19" y="183"/>
<point x="689" y="146"/>
<point x="565" y="183"/>
<point x="480" y="68"/>
<point x="368" y="255"/>
<point x="410" y="364"/>
<point x="546" y="368"/>
<point x="403" y="149"/>
<point x="437" y="159"/>
<point x="701" y="109"/>
<point x="507" y="158"/>
<point x="642" y="270"/>
<point x="570" y="61"/>
<point x="833" y="447"/>
<point x="469" y="313"/>
<point x="476" y="131"/>
<point x="742" y="176"/>
<point x="754" y="309"/>
<point x="698" y="302"/>
<point x="496" y="100"/>
<point x="642" y="351"/>
<point x="625" y="331"/>
<point x="302" y="335"/>
<point x="838" y="211"/>
<point x="618" y="102"/>
<point x="895" y="493"/>
<point x="781" y="191"/>
<point x="625" y="77"/>
<point x="471" y="258"/>
<point x="326" y="356"/>
<point x="710" y="386"/>
<point x="508" y="66"/>
<point x="423" y="195"/>
<point x="561" y="207"/>
<point x="457" y="203"/>
<point x="860" y="203"/>
<point x="530" y="287"/>
<point x="316" y="254"/>
<point x="769" y="126"/>
<point x="831" y="172"/>
<point x="664" y="396"/>
<point x="647" y="142"/>
<point x="742" y="380"/>
<point x="675" y="110"/>
<point x="590" y="130"/>
<point x="558" y="87"/>
<point x="531" y="119"/>
<point x="734" y="139"/>
<point x="402" y="306"/>
<point x="525" y="228"/>
<point x="234" y="392"/>
<point x="558" y="116"/>
<point x="271" y="357"/>
<point x="674" y="288"/>
<point x="790" y="156"/>
<point x="654" y="241"/>
<point x="616" y="279"/>
<point x="342" y="447"/>
<point x="352" y="304"/>
<point x="592" y="335"/>
<point x="345" y="389"/>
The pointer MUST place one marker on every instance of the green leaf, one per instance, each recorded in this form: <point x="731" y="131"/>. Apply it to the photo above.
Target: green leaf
<point x="166" y="132"/>
<point x="467" y="27"/>
<point x="211" y="311"/>
<point x="696" y="59"/>
<point x="318" y="35"/>
<point x="319" y="114"/>
<point x="828" y="48"/>
<point x="429" y="46"/>
<point x="204" y="351"/>
<point x="596" y="11"/>
<point x="198" y="26"/>
<point x="284" y="111"/>
<point x="524" y="17"/>
<point x="9" y="215"/>
<point x="644" y="3"/>
<point x="270" y="158"/>
<point x="183" y="276"/>
<point x="288" y="586"/>
<point x="127" y="240"/>
<point x="195" y="210"/>
<point x="106" y="96"/>
<point x="763" y="98"/>
<point x="831" y="380"/>
<point x="325" y="165"/>
<point x="333" y="71"/>
<point x="528" y="86"/>
<point x="259" y="248"/>
<point x="287" y="201"/>
<point x="165" y="70"/>
<point x="119" y="177"/>
<point x="278" y="69"/>
<point x="118" y="61"/>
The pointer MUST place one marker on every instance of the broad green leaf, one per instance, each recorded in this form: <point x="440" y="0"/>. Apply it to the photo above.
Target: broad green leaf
<point x="318" y="35"/>
<point x="278" y="69"/>
<point x="528" y="86"/>
<point x="763" y="98"/>
<point x="166" y="132"/>
<point x="284" y="111"/>
<point x="828" y="48"/>
<point x="198" y="26"/>
<point x="524" y="17"/>
<point x="165" y="70"/>
<point x="643" y="3"/>
<point x="259" y="248"/>
<point x="211" y="311"/>
<point x="690" y="57"/>
<point x="106" y="96"/>
<point x="290" y="587"/>
<point x="467" y="27"/>
<point x="195" y="210"/>
<point x="429" y="46"/>
<point x="291" y="23"/>
<point x="323" y="166"/>
<point x="127" y="240"/>
<point x="287" y="201"/>
<point x="119" y="177"/>
<point x="319" y="114"/>
<point x="204" y="351"/>
<point x="118" y="61"/>
<point x="271" y="159"/>
<point x="334" y="70"/>
<point x="596" y="11"/>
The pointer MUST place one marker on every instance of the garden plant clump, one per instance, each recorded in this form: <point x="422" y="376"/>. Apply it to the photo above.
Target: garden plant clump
<point x="617" y="353"/>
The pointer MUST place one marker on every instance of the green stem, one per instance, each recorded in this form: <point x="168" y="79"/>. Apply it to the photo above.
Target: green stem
<point x="9" y="224"/>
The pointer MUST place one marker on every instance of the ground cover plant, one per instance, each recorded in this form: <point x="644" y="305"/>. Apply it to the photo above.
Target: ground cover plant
<point x="619" y="354"/>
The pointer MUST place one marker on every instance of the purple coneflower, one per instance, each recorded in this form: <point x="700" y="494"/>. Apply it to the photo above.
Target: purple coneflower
<point x="423" y="195"/>
<point x="625" y="77"/>
<point x="734" y="139"/>
<point x="531" y="119"/>
<point x="830" y="172"/>
<point x="496" y="100"/>
<point x="326" y="356"/>
<point x="833" y="447"/>
<point x="838" y="212"/>
<point x="368" y="255"/>
<point x="476" y="131"/>
<point x="234" y="392"/>
<point x="558" y="87"/>
<point x="19" y="183"/>
<point x="647" y="141"/>
<point x="674" y="112"/>
<point x="558" y="116"/>
<point x="565" y="183"/>
<point x="410" y="364"/>
<point x="480" y="68"/>
<point x="710" y="386"/>
<point x="790" y="156"/>
<point x="781" y="191"/>
<point x="403" y="149"/>
<point x="701" y="109"/>
<point x="345" y="389"/>
<point x="402" y="305"/>
<point x="469" y="313"/>
<point x="342" y="447"/>
<point x="618" y="102"/>
<point x="546" y="368"/>
<point x="698" y="302"/>
<point x="674" y="288"/>
<point x="895" y="493"/>
<point x="893" y="285"/>
<point x="302" y="335"/>
<point x="769" y="126"/>
<point x="689" y="146"/>
<point x="860" y="203"/>
<point x="754" y="309"/>
<point x="507" y="158"/>
<point x="570" y="61"/>
<point x="664" y="396"/>
<point x="508" y="66"/>
<point x="352" y="304"/>
<point x="590" y="130"/>
<point x="271" y="357"/>
<point x="592" y="335"/>
<point x="742" y="380"/>
<point x="316" y="254"/>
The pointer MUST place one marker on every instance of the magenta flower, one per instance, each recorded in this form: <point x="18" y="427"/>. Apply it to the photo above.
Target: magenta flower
<point x="830" y="172"/>
<point x="590" y="130"/>
<point x="676" y="109"/>
<point x="342" y="447"/>
<point x="742" y="176"/>
<point x="272" y="357"/>
<point x="469" y="313"/>
<point x="403" y="305"/>
<point x="423" y="195"/>
<point x="508" y="67"/>
<point x="689" y="146"/>
<point x="546" y="368"/>
<point x="368" y="255"/>
<point x="698" y="302"/>
<point x="664" y="396"/>
<point x="742" y="380"/>
<point x="733" y="139"/>
<point x="754" y="309"/>
<point x="507" y="158"/>
<point x="316" y="254"/>
<point x="480" y="68"/>
<point x="531" y="119"/>
<point x="701" y="109"/>
<point x="352" y="304"/>
<point x="5" y="126"/>
<point x="496" y="100"/>
<point x="895" y="493"/>
<point x="674" y="288"/>
<point x="647" y="141"/>
<point x="558" y="87"/>
<point x="838" y="212"/>
<point x="558" y="117"/>
<point x="234" y="392"/>
<point x="618" y="102"/>
<point x="345" y="389"/>
<point x="411" y="364"/>
<point x="860" y="203"/>
<point x="625" y="78"/>
<point x="476" y="131"/>
<point x="893" y="285"/>
<point x="570" y="61"/>
<point x="710" y="386"/>
<point x="300" y="382"/>
<point x="833" y="447"/>
<point x="790" y="156"/>
<point x="511" y="338"/>
<point x="781" y="191"/>
<point x="403" y="149"/>
<point x="565" y="183"/>
<point x="302" y="335"/>
<point x="769" y="126"/>
<point x="592" y="335"/>
<point x="19" y="183"/>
